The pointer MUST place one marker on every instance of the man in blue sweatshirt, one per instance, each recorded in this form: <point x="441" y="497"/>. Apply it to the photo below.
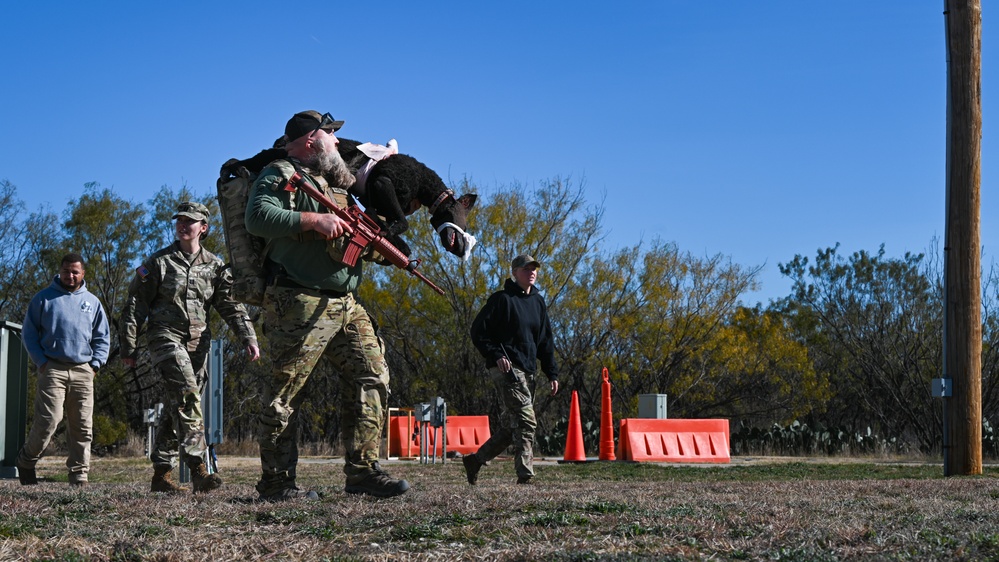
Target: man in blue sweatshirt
<point x="513" y="333"/>
<point x="66" y="335"/>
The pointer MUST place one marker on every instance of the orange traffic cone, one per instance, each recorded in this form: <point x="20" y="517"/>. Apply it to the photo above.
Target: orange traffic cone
<point x="606" y="421"/>
<point x="574" y="450"/>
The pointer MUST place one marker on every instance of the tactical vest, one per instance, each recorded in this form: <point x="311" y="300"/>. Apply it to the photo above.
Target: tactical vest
<point x="248" y="253"/>
<point x="337" y="247"/>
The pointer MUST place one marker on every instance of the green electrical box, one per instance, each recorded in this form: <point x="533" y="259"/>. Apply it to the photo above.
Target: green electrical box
<point x="13" y="396"/>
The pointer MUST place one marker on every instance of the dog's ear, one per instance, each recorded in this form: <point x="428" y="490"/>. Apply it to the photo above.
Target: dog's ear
<point x="468" y="200"/>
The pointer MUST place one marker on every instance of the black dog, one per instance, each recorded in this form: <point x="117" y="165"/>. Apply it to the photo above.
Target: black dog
<point x="395" y="187"/>
<point x="398" y="186"/>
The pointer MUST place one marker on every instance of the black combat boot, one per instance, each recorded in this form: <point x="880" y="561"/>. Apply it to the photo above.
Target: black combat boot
<point x="280" y="489"/>
<point x="285" y="494"/>
<point x="375" y="482"/>
<point x="26" y="474"/>
<point x="472" y="466"/>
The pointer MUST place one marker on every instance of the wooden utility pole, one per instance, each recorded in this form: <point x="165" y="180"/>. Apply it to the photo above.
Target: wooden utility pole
<point x="962" y="245"/>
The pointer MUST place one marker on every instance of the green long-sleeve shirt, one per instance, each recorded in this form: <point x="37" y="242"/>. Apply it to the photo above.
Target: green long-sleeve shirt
<point x="274" y="214"/>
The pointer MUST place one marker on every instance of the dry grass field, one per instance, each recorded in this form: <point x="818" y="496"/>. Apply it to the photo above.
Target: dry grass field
<point x="779" y="510"/>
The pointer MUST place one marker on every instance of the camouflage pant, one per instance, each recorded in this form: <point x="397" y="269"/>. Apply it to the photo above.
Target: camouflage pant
<point x="183" y="369"/>
<point x="301" y="328"/>
<point x="517" y="423"/>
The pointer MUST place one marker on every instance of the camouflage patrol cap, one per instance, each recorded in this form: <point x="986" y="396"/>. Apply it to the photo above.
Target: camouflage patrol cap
<point x="524" y="260"/>
<point x="196" y="211"/>
<point x="305" y="122"/>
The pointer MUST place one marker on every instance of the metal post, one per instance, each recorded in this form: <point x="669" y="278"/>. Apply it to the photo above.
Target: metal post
<point x="211" y="402"/>
<point x="423" y="412"/>
<point x="153" y="417"/>
<point x="211" y="409"/>
<point x="439" y="419"/>
<point x="183" y="472"/>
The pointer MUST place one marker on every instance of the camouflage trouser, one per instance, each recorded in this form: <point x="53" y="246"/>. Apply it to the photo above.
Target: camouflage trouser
<point x="301" y="327"/>
<point x="183" y="368"/>
<point x="517" y="422"/>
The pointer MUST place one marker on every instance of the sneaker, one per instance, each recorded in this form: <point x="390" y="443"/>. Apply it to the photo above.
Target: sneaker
<point x="286" y="494"/>
<point x="26" y="475"/>
<point x="472" y="466"/>
<point x="524" y="479"/>
<point x="78" y="483"/>
<point x="375" y="482"/>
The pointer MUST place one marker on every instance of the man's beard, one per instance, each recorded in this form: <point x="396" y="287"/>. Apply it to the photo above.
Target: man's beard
<point x="328" y="162"/>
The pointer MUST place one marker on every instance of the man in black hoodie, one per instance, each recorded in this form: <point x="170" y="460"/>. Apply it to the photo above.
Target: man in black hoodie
<point x="513" y="333"/>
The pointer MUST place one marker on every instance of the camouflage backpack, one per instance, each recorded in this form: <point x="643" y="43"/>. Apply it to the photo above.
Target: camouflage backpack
<point x="247" y="253"/>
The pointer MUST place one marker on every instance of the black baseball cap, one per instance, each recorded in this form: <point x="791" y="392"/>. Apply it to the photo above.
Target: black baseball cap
<point x="305" y="122"/>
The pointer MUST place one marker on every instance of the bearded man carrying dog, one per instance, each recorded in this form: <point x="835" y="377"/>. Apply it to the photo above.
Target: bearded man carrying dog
<point x="310" y="312"/>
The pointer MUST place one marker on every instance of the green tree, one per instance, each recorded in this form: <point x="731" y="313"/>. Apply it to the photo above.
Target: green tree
<point x="26" y="255"/>
<point x="872" y="325"/>
<point x="105" y="229"/>
<point x="766" y="374"/>
<point x="676" y="336"/>
<point x="990" y="348"/>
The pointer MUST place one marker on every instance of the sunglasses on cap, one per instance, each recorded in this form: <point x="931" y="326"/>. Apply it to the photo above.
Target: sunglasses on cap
<point x="327" y="122"/>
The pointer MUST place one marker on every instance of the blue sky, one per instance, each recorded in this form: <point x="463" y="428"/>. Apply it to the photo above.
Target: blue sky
<point x="756" y="130"/>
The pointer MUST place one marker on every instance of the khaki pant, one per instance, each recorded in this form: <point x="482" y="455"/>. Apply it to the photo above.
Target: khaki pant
<point x="517" y="422"/>
<point x="63" y="386"/>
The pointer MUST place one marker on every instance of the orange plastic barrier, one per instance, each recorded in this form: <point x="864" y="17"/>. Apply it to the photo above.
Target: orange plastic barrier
<point x="402" y="441"/>
<point x="674" y="440"/>
<point x="465" y="434"/>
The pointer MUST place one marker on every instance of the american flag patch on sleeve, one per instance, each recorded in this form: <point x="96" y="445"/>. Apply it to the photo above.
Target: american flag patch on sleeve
<point x="142" y="271"/>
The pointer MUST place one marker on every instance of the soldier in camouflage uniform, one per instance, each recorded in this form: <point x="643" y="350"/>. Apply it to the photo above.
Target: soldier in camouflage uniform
<point x="310" y="312"/>
<point x="174" y="289"/>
